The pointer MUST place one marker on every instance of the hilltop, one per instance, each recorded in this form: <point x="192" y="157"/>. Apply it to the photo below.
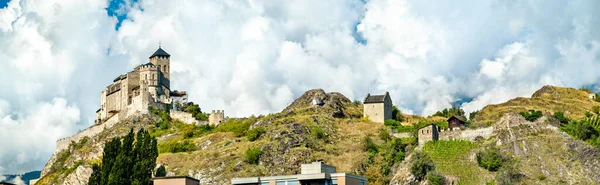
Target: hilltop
<point x="320" y="126"/>
<point x="550" y="99"/>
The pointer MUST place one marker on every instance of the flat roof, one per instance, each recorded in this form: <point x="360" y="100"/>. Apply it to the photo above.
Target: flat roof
<point x="301" y="177"/>
<point x="176" y="177"/>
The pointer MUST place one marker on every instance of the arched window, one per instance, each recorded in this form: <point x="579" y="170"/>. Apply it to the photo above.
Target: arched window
<point x="146" y="76"/>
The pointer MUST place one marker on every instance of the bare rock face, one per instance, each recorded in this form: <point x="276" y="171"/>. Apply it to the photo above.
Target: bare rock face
<point x="332" y="101"/>
<point x="79" y="177"/>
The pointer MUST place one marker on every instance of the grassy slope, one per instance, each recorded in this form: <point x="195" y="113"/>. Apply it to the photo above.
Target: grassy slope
<point x="574" y="103"/>
<point x="223" y="155"/>
<point x="455" y="158"/>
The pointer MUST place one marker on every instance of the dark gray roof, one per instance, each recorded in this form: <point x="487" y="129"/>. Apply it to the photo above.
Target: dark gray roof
<point x="147" y="64"/>
<point x="374" y="99"/>
<point x="160" y="52"/>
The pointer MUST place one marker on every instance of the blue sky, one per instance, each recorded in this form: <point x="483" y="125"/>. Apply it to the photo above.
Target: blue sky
<point x="256" y="57"/>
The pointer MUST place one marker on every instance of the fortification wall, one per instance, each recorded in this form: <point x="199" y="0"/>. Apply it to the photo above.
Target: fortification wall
<point x="63" y="143"/>
<point x="183" y="116"/>
<point x="467" y="134"/>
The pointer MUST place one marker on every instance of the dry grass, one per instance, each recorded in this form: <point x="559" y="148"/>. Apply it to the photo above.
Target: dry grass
<point x="574" y="103"/>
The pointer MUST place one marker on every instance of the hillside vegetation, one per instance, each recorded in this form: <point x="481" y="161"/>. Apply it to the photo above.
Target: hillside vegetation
<point x="549" y="99"/>
<point x="533" y="152"/>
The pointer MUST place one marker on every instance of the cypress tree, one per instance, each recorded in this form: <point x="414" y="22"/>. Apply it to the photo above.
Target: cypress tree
<point x="109" y="155"/>
<point x="120" y="174"/>
<point x="96" y="177"/>
<point x="127" y="162"/>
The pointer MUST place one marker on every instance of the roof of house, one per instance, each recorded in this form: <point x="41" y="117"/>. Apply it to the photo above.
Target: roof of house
<point x="160" y="52"/>
<point x="375" y="98"/>
<point x="6" y="183"/>
<point x="456" y="117"/>
<point x="177" y="177"/>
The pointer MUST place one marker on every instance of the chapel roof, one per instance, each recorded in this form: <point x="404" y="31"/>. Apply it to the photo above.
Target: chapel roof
<point x="160" y="52"/>
<point x="375" y="98"/>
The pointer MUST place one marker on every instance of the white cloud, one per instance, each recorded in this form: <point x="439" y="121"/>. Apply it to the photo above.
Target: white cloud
<point x="255" y="57"/>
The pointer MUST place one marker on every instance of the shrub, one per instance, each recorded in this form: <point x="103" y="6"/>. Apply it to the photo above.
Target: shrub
<point x="596" y="110"/>
<point x="473" y="114"/>
<point x="202" y="116"/>
<point x="434" y="178"/>
<point x="588" y="114"/>
<point x="561" y="117"/>
<point x="508" y="174"/>
<point x="391" y="123"/>
<point x="394" y="153"/>
<point x="421" y="165"/>
<point x="161" y="171"/>
<point x="368" y="144"/>
<point x="384" y="135"/>
<point x="317" y="132"/>
<point x="397" y="114"/>
<point x="237" y="126"/>
<point x="255" y="133"/>
<point x="175" y="147"/>
<point x="541" y="177"/>
<point x="490" y="159"/>
<point x="253" y="155"/>
<point x="531" y="115"/>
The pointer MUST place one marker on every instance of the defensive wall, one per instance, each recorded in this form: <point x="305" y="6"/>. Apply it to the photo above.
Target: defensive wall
<point x="184" y="117"/>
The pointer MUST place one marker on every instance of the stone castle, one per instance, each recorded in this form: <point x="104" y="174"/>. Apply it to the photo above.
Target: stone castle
<point x="147" y="86"/>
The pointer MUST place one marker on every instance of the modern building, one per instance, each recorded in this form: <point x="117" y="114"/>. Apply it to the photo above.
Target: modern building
<point x="378" y="108"/>
<point x="316" y="173"/>
<point x="175" y="180"/>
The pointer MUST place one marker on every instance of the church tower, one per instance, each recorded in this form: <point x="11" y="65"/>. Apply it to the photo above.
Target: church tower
<point x="162" y="60"/>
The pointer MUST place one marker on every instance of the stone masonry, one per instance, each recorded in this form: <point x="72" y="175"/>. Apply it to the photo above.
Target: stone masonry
<point x="378" y="108"/>
<point x="216" y="117"/>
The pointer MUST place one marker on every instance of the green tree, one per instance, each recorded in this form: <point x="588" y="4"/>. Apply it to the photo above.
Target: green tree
<point x="121" y="172"/>
<point x="490" y="159"/>
<point x="454" y="111"/>
<point x="145" y="152"/>
<point x="397" y="114"/>
<point x="127" y="162"/>
<point x="109" y="155"/>
<point x="421" y="165"/>
<point x="161" y="171"/>
<point x="96" y="177"/>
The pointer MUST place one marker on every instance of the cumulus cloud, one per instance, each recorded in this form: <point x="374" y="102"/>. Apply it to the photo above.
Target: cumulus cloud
<point x="255" y="57"/>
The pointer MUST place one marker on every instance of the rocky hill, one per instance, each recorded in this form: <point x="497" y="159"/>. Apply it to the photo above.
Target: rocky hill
<point x="335" y="132"/>
<point x="574" y="103"/>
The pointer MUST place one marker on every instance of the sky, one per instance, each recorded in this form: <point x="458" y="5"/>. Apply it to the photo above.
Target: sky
<point x="251" y="57"/>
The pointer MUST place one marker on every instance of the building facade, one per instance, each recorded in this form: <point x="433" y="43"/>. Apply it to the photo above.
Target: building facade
<point x="148" y="85"/>
<point x="316" y="173"/>
<point x="378" y="108"/>
<point x="428" y="133"/>
<point x="175" y="180"/>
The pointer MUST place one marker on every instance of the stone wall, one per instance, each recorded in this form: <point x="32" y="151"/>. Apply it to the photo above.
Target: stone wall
<point x="184" y="117"/>
<point x="216" y="117"/>
<point x="63" y="143"/>
<point x="375" y="112"/>
<point x="466" y="134"/>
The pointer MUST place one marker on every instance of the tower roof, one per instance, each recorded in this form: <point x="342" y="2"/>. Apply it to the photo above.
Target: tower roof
<point x="160" y="52"/>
